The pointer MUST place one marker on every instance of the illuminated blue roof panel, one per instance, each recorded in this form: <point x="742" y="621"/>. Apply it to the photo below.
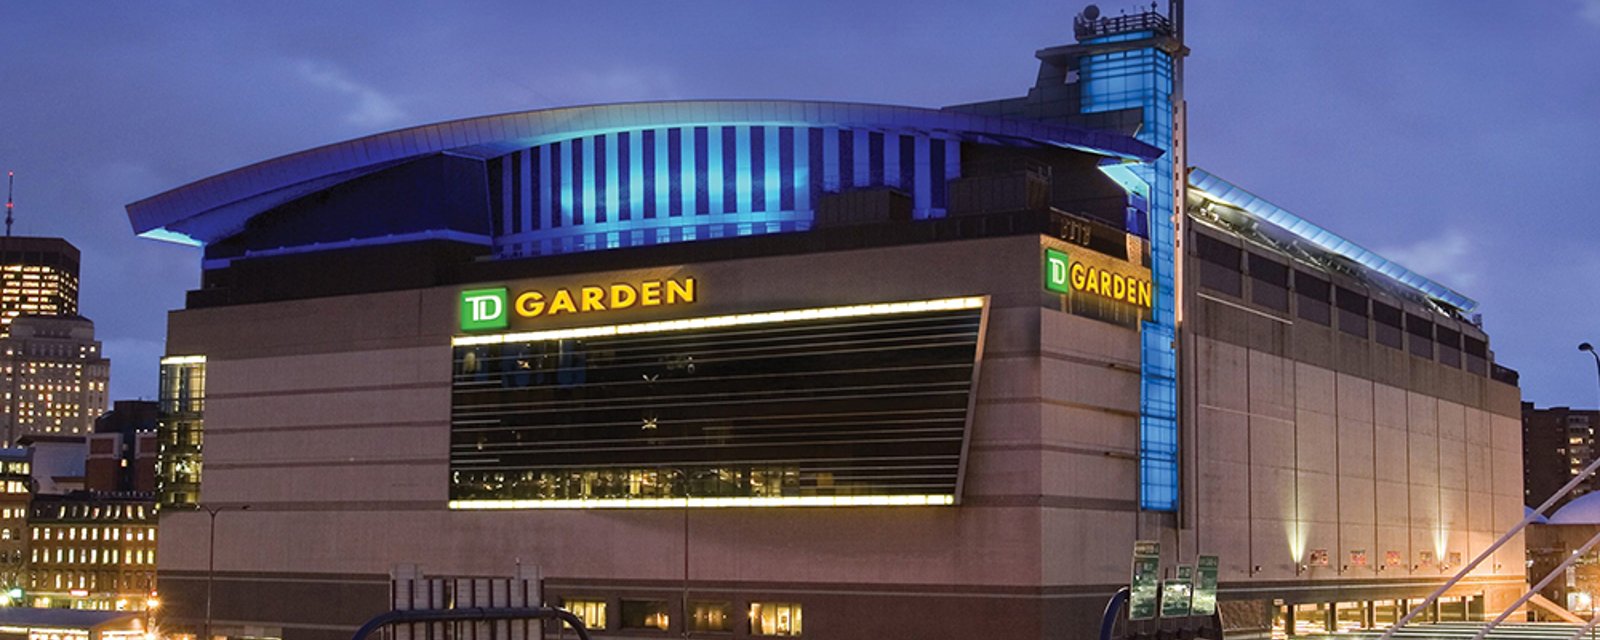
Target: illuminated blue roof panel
<point x="214" y="208"/>
<point x="1223" y="191"/>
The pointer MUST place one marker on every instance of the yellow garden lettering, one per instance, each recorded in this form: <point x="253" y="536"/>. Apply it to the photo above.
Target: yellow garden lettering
<point x="590" y="298"/>
<point x="1110" y="285"/>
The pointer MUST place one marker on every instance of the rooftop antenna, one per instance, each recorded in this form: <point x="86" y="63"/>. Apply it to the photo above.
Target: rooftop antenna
<point x="1175" y="14"/>
<point x="11" y="185"/>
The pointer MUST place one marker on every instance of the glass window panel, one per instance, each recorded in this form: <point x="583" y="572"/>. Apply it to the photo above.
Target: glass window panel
<point x="833" y="407"/>
<point x="711" y="616"/>
<point x="645" y="614"/>
<point x="775" y="619"/>
<point x="591" y="611"/>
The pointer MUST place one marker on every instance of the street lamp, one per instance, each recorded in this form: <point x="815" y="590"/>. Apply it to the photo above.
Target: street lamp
<point x="1584" y="346"/>
<point x="1590" y="348"/>
<point x="683" y="599"/>
<point x="151" y="603"/>
<point x="686" y="479"/>
<point x="211" y="562"/>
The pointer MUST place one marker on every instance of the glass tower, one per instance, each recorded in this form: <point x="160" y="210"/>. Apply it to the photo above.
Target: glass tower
<point x="1143" y="79"/>
<point x="181" y="427"/>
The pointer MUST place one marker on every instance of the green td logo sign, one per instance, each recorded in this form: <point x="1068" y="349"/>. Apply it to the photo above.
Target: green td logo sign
<point x="1055" y="271"/>
<point x="484" y="309"/>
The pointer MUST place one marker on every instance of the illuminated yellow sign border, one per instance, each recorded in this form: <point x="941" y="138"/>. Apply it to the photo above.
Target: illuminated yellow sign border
<point x="753" y="501"/>
<point x="736" y="320"/>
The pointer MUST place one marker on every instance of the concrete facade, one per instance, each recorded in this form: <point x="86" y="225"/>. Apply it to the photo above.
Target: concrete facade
<point x="1325" y="460"/>
<point x="330" y="418"/>
<point x="1313" y="444"/>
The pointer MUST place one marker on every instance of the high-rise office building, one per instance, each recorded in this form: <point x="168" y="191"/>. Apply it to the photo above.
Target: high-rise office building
<point x="38" y="276"/>
<point x="1557" y="443"/>
<point x="55" y="377"/>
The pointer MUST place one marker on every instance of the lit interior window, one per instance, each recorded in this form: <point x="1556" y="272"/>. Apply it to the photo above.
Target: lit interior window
<point x="774" y="619"/>
<point x="592" y="612"/>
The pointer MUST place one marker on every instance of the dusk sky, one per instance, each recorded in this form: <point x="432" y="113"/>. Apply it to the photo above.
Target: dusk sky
<point x="1458" y="138"/>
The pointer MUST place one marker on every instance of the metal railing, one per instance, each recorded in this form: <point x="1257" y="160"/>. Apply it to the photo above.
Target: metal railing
<point x="1084" y="27"/>
<point x="475" y="614"/>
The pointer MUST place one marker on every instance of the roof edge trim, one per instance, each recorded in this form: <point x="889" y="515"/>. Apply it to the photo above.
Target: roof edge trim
<point x="485" y="136"/>
<point x="1216" y="188"/>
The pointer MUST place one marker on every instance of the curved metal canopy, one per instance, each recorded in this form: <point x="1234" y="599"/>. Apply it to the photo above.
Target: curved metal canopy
<point x="216" y="207"/>
<point x="1223" y="191"/>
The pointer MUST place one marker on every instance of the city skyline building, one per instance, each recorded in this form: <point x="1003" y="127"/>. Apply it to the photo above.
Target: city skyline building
<point x="788" y="367"/>
<point x="122" y="451"/>
<point x="57" y="463"/>
<point x="38" y="276"/>
<point x="1558" y="442"/>
<point x="16" y="494"/>
<point x="56" y="377"/>
<point x="92" y="550"/>
<point x="73" y="540"/>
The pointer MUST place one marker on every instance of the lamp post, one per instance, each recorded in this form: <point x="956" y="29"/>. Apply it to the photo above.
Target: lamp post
<point x="1584" y="346"/>
<point x="1590" y="348"/>
<point x="687" y="616"/>
<point x="211" y="562"/>
<point x="683" y="598"/>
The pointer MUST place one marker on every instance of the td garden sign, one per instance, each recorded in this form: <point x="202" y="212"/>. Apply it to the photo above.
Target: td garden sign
<point x="492" y="308"/>
<point x="1062" y="275"/>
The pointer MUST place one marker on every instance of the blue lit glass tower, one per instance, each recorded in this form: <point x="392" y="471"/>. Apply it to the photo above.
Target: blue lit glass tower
<point x="1144" y="79"/>
<point x="1125" y="74"/>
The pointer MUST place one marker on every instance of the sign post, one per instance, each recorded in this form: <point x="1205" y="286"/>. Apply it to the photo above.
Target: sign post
<point x="1177" y="592"/>
<point x="1205" y="587"/>
<point x="1144" y="590"/>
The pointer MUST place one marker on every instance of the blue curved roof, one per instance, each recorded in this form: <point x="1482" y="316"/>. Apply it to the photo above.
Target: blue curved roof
<point x="218" y="206"/>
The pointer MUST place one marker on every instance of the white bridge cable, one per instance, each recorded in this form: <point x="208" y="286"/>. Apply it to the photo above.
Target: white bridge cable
<point x="1463" y="631"/>
<point x="1527" y="518"/>
<point x="1560" y="570"/>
